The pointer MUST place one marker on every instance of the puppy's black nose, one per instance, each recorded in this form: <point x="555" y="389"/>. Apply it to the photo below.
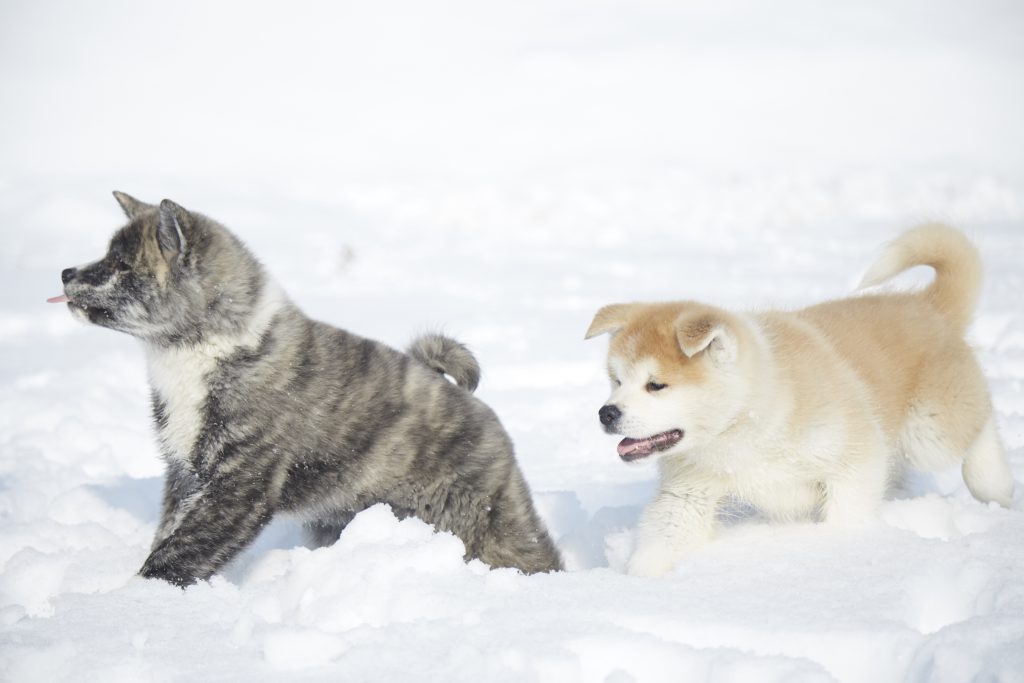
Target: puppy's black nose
<point x="609" y="414"/>
<point x="67" y="274"/>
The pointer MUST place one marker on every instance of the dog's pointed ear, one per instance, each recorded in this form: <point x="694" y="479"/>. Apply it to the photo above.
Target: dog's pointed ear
<point x="611" y="318"/>
<point x="707" y="332"/>
<point x="175" y="223"/>
<point x="131" y="206"/>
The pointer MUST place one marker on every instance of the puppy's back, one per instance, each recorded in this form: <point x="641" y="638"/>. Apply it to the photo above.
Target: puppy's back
<point x="909" y="347"/>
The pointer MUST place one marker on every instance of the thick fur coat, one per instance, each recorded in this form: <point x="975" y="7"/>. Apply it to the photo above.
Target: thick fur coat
<point x="260" y="410"/>
<point x="812" y="412"/>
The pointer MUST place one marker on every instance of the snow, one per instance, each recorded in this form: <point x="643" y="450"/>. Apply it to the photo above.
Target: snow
<point x="500" y="172"/>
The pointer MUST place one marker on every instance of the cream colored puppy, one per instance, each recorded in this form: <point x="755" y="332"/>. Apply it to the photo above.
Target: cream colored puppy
<point x="806" y="412"/>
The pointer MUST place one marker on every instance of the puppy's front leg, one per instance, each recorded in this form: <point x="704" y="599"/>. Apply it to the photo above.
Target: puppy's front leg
<point x="214" y="524"/>
<point x="324" y="532"/>
<point x="179" y="484"/>
<point x="681" y="517"/>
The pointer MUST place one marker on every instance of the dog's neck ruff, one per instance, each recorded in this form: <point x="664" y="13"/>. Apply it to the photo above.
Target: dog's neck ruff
<point x="179" y="375"/>
<point x="219" y="345"/>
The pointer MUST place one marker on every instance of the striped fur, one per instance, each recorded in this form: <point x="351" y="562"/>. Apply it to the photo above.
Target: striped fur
<point x="263" y="411"/>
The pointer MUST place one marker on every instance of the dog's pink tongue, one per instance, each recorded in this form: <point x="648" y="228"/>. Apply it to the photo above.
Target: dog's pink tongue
<point x="630" y="446"/>
<point x="634" y="449"/>
<point x="62" y="299"/>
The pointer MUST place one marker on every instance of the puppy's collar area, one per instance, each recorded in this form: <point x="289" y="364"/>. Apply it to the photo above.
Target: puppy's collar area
<point x="636" y="449"/>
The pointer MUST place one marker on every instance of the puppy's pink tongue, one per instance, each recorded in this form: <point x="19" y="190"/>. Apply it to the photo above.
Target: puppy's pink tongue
<point x="62" y="299"/>
<point x="634" y="449"/>
<point x="629" y="446"/>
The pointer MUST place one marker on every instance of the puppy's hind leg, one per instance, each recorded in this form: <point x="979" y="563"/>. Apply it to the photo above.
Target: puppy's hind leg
<point x="986" y="470"/>
<point x="511" y="534"/>
<point x="853" y="495"/>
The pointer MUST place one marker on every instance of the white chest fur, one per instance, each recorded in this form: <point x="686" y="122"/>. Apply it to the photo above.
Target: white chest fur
<point x="179" y="378"/>
<point x="180" y="375"/>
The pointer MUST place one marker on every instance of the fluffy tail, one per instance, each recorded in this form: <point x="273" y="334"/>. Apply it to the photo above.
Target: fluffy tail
<point x="958" y="272"/>
<point x="448" y="357"/>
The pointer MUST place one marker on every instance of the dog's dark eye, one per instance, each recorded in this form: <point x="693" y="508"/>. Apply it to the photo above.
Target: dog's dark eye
<point x="654" y="386"/>
<point x="120" y="265"/>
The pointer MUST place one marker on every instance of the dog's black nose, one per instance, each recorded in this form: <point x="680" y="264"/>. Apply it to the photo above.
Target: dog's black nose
<point x="67" y="274"/>
<point x="609" y="414"/>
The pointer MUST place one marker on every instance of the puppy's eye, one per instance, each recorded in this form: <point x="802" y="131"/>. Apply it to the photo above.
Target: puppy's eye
<point x="654" y="386"/>
<point x="615" y="382"/>
<point x="119" y="264"/>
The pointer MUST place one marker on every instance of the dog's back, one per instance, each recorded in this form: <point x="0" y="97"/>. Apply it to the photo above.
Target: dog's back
<point x="926" y="388"/>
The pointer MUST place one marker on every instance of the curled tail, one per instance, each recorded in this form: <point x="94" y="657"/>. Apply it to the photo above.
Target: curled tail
<point x="448" y="357"/>
<point x="958" y="273"/>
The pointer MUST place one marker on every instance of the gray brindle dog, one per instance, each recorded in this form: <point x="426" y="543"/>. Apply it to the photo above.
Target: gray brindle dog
<point x="261" y="410"/>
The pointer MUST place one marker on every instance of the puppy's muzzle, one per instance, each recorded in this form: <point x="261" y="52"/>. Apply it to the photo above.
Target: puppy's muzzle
<point x="609" y="415"/>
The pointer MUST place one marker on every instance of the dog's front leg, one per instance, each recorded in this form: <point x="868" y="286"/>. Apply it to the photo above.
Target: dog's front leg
<point x="179" y="484"/>
<point x="214" y="524"/>
<point x="324" y="532"/>
<point x="681" y="517"/>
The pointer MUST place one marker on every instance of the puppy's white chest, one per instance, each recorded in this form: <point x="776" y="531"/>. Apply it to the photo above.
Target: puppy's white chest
<point x="179" y="379"/>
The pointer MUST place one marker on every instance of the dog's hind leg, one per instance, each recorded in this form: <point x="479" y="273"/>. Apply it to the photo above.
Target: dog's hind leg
<point x="852" y="495"/>
<point x="986" y="470"/>
<point x="511" y="534"/>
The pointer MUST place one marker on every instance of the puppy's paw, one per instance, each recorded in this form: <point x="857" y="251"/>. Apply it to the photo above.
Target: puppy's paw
<point x="153" y="568"/>
<point x="652" y="562"/>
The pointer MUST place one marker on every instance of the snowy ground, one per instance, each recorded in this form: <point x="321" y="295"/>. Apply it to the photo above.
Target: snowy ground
<point x="500" y="174"/>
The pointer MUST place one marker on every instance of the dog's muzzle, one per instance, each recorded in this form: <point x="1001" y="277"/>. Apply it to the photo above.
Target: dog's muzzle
<point x="609" y="415"/>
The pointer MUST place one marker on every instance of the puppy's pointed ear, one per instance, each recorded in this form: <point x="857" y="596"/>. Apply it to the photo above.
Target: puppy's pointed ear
<point x="175" y="223"/>
<point x="610" y="319"/>
<point x="131" y="206"/>
<point x="707" y="332"/>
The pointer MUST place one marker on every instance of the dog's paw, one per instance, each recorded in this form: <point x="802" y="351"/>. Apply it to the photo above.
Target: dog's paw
<point x="154" y="569"/>
<point x="653" y="562"/>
